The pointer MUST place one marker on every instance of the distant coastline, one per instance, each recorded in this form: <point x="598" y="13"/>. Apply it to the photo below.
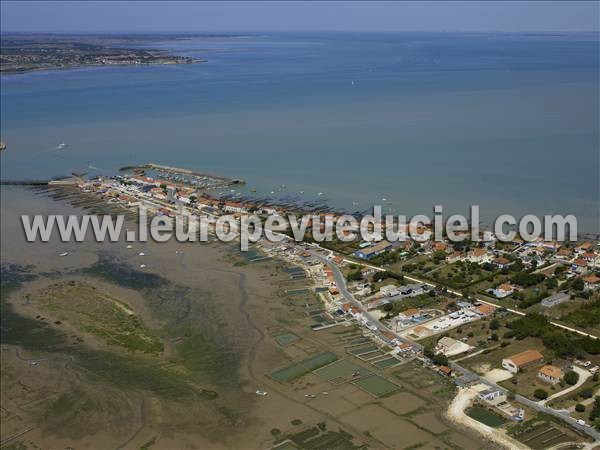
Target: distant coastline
<point x="24" y="53"/>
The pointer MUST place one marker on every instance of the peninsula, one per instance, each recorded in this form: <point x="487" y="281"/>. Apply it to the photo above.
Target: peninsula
<point x="28" y="52"/>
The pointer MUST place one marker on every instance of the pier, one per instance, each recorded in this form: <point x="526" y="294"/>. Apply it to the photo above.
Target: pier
<point x="24" y="182"/>
<point x="51" y="182"/>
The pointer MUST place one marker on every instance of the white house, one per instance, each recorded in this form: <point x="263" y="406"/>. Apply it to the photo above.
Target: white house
<point x="521" y="360"/>
<point x="479" y="255"/>
<point x="389" y="290"/>
<point x="504" y="290"/>
<point x="550" y="374"/>
<point x="492" y="395"/>
<point x="591" y="282"/>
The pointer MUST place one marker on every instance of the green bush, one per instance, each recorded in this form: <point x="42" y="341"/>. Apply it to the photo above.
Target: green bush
<point x="586" y="393"/>
<point x="571" y="377"/>
<point x="540" y="394"/>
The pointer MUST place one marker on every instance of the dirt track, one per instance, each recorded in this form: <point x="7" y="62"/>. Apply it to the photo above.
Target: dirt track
<point x="456" y="413"/>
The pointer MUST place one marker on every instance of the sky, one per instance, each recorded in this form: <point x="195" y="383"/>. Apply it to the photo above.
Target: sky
<point x="190" y="16"/>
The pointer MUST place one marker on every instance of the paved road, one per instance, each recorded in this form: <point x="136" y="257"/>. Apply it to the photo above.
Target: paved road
<point x="532" y="404"/>
<point x="478" y="298"/>
<point x="340" y="281"/>
<point x="342" y="287"/>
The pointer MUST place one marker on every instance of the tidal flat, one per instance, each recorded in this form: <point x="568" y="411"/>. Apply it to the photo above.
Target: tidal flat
<point x="170" y="355"/>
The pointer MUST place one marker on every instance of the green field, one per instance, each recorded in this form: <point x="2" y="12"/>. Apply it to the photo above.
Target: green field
<point x="377" y="386"/>
<point x="545" y="435"/>
<point x="486" y="417"/>
<point x="359" y="341"/>
<point x="286" y="339"/>
<point x="92" y="311"/>
<point x="297" y="291"/>
<point x="303" y="367"/>
<point x="363" y="350"/>
<point x="341" y="369"/>
<point x="386" y="363"/>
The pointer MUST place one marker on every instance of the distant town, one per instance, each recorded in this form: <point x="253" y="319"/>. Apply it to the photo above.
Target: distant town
<point x="25" y="53"/>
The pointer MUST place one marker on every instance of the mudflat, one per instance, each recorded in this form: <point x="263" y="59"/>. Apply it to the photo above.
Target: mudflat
<point x="99" y="352"/>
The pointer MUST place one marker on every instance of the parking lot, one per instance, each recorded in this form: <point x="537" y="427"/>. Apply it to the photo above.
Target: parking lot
<point x="441" y="324"/>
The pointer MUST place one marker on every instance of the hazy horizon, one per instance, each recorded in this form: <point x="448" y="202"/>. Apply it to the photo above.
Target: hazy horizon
<point x="260" y="16"/>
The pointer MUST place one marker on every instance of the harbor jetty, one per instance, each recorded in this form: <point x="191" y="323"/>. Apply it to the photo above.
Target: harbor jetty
<point x="178" y="170"/>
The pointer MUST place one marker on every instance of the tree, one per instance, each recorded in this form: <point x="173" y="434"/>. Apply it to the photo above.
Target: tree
<point x="571" y="377"/>
<point x="440" y="359"/>
<point x="527" y="279"/>
<point x="587" y="393"/>
<point x="578" y="284"/>
<point x="355" y="275"/>
<point x="559" y="270"/>
<point x="540" y="394"/>
<point x="595" y="412"/>
<point x="517" y="266"/>
<point x="579" y="407"/>
<point x="494" y="337"/>
<point x="494" y="324"/>
<point x="428" y="351"/>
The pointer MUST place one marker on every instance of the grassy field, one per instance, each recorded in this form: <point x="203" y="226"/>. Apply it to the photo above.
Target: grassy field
<point x="388" y="362"/>
<point x="95" y="312"/>
<point x="493" y="359"/>
<point x="286" y="339"/>
<point x="342" y="369"/>
<point x="544" y="434"/>
<point x="424" y="383"/>
<point x="574" y="397"/>
<point x="303" y="367"/>
<point x="377" y="386"/>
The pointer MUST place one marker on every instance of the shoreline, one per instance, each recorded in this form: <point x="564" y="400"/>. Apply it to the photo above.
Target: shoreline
<point x="96" y="66"/>
<point x="247" y="295"/>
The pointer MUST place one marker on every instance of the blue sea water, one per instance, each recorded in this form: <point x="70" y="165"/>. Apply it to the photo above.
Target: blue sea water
<point x="509" y="122"/>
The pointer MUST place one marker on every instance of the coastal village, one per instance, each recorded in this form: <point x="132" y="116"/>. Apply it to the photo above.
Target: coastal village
<point x="513" y="326"/>
<point x="25" y="53"/>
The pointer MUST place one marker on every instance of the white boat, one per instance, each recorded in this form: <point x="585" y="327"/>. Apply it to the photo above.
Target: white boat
<point x="64" y="254"/>
<point x="141" y="254"/>
<point x="319" y="193"/>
